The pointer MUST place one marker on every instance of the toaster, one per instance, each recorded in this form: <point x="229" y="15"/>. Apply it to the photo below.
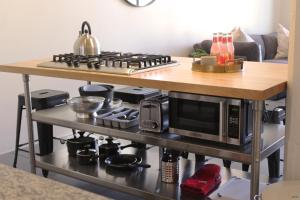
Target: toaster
<point x="154" y="114"/>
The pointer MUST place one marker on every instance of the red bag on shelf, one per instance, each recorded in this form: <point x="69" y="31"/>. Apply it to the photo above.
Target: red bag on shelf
<point x="203" y="182"/>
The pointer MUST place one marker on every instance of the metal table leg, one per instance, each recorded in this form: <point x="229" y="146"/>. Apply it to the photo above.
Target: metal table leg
<point x="29" y="122"/>
<point x="256" y="141"/>
<point x="161" y="152"/>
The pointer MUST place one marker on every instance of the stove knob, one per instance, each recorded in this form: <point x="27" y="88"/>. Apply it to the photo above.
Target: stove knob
<point x="97" y="65"/>
<point x="69" y="63"/>
<point x="76" y="64"/>
<point x="89" y="65"/>
<point x="154" y="125"/>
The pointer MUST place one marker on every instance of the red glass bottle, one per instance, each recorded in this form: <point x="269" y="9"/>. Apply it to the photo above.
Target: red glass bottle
<point x="230" y="47"/>
<point x="224" y="50"/>
<point x="215" y="47"/>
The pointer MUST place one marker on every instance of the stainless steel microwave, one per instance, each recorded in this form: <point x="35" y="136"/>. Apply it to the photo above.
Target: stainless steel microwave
<point x="211" y="118"/>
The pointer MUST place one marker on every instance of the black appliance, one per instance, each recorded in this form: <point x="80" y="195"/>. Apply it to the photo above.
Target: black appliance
<point x="154" y="114"/>
<point x="135" y="94"/>
<point x="110" y="62"/>
<point x="44" y="99"/>
<point x="211" y="118"/>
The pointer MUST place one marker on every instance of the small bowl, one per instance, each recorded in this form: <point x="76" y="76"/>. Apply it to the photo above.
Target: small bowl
<point x="86" y="107"/>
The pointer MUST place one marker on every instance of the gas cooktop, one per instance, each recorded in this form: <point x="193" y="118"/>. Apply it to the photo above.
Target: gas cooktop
<point x="110" y="62"/>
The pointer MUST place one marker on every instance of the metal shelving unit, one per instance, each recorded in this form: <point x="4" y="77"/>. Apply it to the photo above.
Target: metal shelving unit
<point x="145" y="183"/>
<point x="272" y="138"/>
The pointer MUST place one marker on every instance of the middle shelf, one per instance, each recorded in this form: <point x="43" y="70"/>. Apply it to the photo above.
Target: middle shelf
<point x="272" y="137"/>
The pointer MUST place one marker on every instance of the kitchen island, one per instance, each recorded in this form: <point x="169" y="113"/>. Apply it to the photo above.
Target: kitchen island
<point x="257" y="82"/>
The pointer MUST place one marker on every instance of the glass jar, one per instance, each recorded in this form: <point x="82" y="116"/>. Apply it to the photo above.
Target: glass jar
<point x="170" y="166"/>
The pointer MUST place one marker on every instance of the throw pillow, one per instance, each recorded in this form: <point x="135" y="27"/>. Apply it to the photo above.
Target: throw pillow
<point x="283" y="42"/>
<point x="240" y="35"/>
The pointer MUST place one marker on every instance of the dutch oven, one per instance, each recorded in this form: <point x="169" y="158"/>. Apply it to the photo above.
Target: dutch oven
<point x="99" y="90"/>
<point x="87" y="156"/>
<point x="79" y="143"/>
<point x="108" y="149"/>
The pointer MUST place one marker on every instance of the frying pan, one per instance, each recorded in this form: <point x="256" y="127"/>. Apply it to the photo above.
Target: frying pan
<point x="125" y="162"/>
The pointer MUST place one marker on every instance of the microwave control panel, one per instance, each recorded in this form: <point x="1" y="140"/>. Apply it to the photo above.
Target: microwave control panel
<point x="233" y="121"/>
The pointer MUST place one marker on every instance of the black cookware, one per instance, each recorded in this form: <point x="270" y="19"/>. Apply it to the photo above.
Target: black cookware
<point x="125" y="162"/>
<point x="99" y="90"/>
<point x="87" y="156"/>
<point x="78" y="143"/>
<point x="134" y="145"/>
<point x="135" y="94"/>
<point x="108" y="149"/>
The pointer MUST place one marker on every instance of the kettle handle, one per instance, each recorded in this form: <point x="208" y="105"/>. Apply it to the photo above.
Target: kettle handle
<point x="85" y="23"/>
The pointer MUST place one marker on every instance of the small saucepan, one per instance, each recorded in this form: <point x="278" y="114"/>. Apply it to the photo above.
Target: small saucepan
<point x="76" y="143"/>
<point x="125" y="162"/>
<point x="108" y="149"/>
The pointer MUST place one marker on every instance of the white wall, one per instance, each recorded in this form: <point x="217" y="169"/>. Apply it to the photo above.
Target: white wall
<point x="283" y="11"/>
<point x="39" y="28"/>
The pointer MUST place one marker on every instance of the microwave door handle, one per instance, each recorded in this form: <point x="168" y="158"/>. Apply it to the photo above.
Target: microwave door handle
<point x="222" y="120"/>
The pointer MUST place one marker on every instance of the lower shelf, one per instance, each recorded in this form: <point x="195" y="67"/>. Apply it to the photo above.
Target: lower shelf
<point x="273" y="136"/>
<point x="145" y="183"/>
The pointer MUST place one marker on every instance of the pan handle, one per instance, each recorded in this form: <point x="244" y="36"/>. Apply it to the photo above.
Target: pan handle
<point x="141" y="165"/>
<point x="85" y="23"/>
<point x="94" y="157"/>
<point x="62" y="141"/>
<point x="74" y="133"/>
<point x="89" y="134"/>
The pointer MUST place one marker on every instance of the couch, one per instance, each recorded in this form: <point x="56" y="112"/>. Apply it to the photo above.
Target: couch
<point x="263" y="49"/>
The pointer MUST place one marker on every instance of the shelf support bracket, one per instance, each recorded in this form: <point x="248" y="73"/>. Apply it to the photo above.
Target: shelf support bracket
<point x="256" y="147"/>
<point x="28" y="105"/>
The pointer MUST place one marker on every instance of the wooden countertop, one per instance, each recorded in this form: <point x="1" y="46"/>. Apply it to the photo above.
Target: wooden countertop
<point x="258" y="81"/>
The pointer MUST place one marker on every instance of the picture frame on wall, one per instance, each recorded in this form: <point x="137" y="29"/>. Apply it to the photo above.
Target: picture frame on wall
<point x="139" y="3"/>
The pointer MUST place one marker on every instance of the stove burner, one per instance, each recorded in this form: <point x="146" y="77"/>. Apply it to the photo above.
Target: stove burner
<point x="110" y="62"/>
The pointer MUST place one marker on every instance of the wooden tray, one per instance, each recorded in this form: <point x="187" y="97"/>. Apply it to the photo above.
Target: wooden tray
<point x="230" y="67"/>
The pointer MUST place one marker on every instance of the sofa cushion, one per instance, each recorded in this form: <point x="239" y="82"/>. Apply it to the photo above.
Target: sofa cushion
<point x="239" y="35"/>
<point x="283" y="42"/>
<point x="248" y="49"/>
<point x="279" y="61"/>
<point x="259" y="40"/>
<point x="271" y="44"/>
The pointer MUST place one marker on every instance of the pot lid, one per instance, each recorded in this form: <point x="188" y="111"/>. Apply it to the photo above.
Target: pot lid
<point x="81" y="140"/>
<point x="110" y="144"/>
<point x="86" y="152"/>
<point x="94" y="88"/>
